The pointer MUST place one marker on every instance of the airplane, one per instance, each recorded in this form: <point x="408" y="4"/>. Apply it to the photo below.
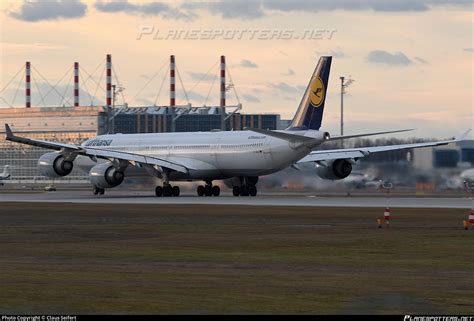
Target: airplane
<point x="241" y="156"/>
<point x="468" y="176"/>
<point x="5" y="174"/>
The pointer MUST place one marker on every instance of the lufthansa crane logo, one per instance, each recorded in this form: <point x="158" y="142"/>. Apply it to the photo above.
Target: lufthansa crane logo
<point x="316" y="92"/>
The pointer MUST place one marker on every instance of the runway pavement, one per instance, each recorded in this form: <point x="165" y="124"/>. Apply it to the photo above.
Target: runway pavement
<point x="122" y="197"/>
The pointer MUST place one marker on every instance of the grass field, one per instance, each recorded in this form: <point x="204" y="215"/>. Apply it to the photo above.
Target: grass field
<point x="80" y="258"/>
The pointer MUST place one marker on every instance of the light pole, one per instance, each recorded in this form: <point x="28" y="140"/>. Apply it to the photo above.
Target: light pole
<point x="110" y="118"/>
<point x="344" y="85"/>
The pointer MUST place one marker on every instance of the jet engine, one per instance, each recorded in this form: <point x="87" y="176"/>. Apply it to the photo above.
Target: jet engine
<point x="337" y="169"/>
<point x="105" y="175"/>
<point x="54" y="165"/>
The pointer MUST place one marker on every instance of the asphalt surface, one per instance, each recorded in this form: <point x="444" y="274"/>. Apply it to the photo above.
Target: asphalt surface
<point x="122" y="197"/>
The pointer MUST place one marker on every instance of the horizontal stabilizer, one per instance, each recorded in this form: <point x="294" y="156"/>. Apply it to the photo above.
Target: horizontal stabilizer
<point x="370" y="134"/>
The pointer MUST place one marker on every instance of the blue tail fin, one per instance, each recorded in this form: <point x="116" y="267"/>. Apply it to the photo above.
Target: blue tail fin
<point x="310" y="111"/>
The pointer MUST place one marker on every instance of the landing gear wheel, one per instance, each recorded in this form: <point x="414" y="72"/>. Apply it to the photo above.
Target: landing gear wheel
<point x="216" y="190"/>
<point x="200" y="190"/>
<point x="208" y="190"/>
<point x="236" y="191"/>
<point x="159" y="191"/>
<point x="101" y="191"/>
<point x="253" y="190"/>
<point x="167" y="190"/>
<point x="244" y="191"/>
<point x="175" y="190"/>
<point x="95" y="190"/>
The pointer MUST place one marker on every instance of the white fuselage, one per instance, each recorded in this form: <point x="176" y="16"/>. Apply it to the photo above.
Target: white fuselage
<point x="208" y="155"/>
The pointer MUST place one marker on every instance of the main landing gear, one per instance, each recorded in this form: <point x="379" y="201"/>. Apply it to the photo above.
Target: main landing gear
<point x="167" y="190"/>
<point x="248" y="187"/>
<point x="208" y="189"/>
<point x="244" y="190"/>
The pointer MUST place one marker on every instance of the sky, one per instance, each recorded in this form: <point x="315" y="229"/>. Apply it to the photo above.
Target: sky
<point x="411" y="61"/>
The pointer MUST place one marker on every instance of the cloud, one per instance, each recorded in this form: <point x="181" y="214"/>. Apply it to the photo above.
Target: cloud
<point x="290" y="72"/>
<point x="192" y="95"/>
<point x="200" y="76"/>
<point x="284" y="87"/>
<point x="33" y="11"/>
<point x="336" y="53"/>
<point x="420" y="60"/>
<point x="143" y="101"/>
<point x="251" y="99"/>
<point x="115" y="6"/>
<point x="21" y="48"/>
<point x="247" y="64"/>
<point x="468" y="49"/>
<point x="228" y="9"/>
<point x="354" y="5"/>
<point x="384" y="57"/>
<point x="154" y="8"/>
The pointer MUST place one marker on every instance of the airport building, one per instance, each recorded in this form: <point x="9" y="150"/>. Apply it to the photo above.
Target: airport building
<point x="157" y="119"/>
<point x="452" y="156"/>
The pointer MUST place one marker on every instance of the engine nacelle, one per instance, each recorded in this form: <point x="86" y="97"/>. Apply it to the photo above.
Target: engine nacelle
<point x="338" y="169"/>
<point x="105" y="176"/>
<point x="54" y="165"/>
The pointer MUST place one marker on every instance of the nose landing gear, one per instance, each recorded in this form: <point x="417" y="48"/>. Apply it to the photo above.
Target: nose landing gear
<point x="98" y="191"/>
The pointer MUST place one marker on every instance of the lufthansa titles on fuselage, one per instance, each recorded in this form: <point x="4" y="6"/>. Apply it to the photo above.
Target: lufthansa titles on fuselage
<point x="98" y="142"/>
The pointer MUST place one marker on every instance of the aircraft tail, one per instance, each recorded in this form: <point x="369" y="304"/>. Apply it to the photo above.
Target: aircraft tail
<point x="310" y="111"/>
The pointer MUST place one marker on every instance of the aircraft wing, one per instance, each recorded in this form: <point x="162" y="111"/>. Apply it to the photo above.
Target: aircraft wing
<point x="94" y="152"/>
<point x="324" y="155"/>
<point x="132" y="157"/>
<point x="37" y="142"/>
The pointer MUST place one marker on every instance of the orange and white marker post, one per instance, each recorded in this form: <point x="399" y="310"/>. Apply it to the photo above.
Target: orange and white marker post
<point x="470" y="219"/>
<point x="386" y="215"/>
<point x="386" y="186"/>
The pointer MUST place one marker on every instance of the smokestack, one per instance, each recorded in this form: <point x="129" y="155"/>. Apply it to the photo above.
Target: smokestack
<point x="76" y="84"/>
<point x="172" y="93"/>
<point x="109" y="82"/>
<point x="222" y="104"/>
<point x="222" y="81"/>
<point x="172" y="82"/>
<point x="28" y="85"/>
